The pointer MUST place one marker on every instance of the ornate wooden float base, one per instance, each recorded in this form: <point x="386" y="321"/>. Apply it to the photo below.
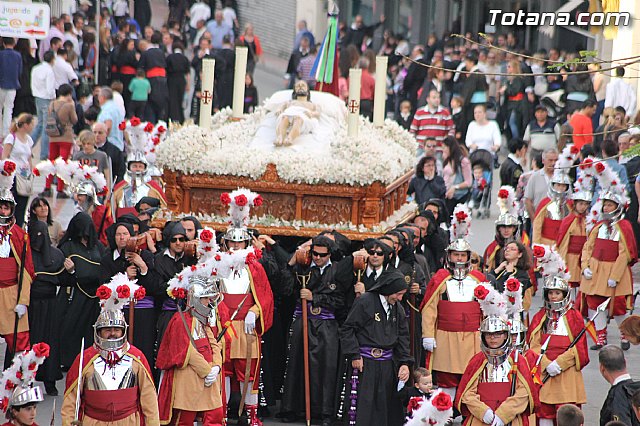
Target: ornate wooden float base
<point x="324" y="203"/>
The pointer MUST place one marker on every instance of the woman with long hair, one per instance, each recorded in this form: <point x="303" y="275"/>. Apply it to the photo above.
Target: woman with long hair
<point x="514" y="261"/>
<point x="252" y="43"/>
<point x="41" y="210"/>
<point x="515" y="101"/>
<point x="17" y="147"/>
<point x="77" y="304"/>
<point x="456" y="172"/>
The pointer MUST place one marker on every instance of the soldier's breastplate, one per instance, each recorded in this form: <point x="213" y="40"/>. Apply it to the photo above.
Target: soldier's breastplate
<point x="496" y="373"/>
<point x="238" y="283"/>
<point x="556" y="210"/>
<point x="609" y="233"/>
<point x="112" y="378"/>
<point x="130" y="197"/>
<point x="556" y="328"/>
<point x="461" y="291"/>
<point x="5" y="247"/>
<point x="198" y="331"/>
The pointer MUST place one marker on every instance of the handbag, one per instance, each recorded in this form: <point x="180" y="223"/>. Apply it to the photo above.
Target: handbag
<point x="24" y="184"/>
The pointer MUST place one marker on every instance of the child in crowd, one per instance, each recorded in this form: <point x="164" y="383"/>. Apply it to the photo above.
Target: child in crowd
<point x="404" y="117"/>
<point x="140" y="89"/>
<point x="458" y="118"/>
<point x="421" y="390"/>
<point x="250" y="94"/>
<point x="478" y="188"/>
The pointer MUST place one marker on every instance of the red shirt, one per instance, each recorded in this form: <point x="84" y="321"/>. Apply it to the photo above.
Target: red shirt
<point x="437" y="125"/>
<point x="582" y="129"/>
<point x="367" y="86"/>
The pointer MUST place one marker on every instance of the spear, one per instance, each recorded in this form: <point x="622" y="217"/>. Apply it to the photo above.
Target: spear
<point x="305" y="348"/>
<point x="76" y="420"/>
<point x="601" y="308"/>
<point x="543" y="349"/>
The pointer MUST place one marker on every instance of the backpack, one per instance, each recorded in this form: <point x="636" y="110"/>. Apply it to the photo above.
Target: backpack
<point x="54" y="127"/>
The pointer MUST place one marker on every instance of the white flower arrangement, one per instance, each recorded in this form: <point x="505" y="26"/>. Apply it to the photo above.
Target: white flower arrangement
<point x="270" y="221"/>
<point x="377" y="154"/>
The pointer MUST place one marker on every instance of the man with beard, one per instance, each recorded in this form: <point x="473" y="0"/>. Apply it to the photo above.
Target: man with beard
<point x="376" y="339"/>
<point x="152" y="60"/>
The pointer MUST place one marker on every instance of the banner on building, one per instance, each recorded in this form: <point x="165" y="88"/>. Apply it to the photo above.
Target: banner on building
<point x="24" y="20"/>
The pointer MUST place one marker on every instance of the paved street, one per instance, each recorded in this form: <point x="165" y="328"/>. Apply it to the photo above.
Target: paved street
<point x="268" y="80"/>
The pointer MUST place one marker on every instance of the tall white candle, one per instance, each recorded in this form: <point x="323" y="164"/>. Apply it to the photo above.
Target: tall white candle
<point x="238" y="81"/>
<point x="353" y="104"/>
<point x="206" y="92"/>
<point x="380" y="95"/>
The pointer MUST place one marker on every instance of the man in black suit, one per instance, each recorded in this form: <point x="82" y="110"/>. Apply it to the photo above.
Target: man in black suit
<point x="116" y="156"/>
<point x="618" y="405"/>
<point x="416" y="74"/>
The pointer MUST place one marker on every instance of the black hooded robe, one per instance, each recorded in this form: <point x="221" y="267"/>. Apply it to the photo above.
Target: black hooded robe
<point x="43" y="327"/>
<point x="77" y="305"/>
<point x="367" y="325"/>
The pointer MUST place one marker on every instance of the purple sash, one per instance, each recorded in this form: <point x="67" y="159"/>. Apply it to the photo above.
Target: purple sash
<point x="314" y="312"/>
<point x="376" y="354"/>
<point x="169" y="305"/>
<point x="144" y="303"/>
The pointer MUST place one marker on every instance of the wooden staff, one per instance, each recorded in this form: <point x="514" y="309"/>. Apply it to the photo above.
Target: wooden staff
<point x="302" y="257"/>
<point x="359" y="265"/>
<point x="412" y="316"/>
<point x="132" y="315"/>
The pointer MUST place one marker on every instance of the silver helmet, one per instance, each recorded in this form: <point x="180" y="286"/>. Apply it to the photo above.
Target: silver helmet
<point x="518" y="330"/>
<point x="203" y="287"/>
<point x="618" y="213"/>
<point x="459" y="270"/>
<point x="7" y="197"/>
<point x="88" y="188"/>
<point x="237" y="234"/>
<point x="582" y="196"/>
<point x="560" y="177"/>
<point x="495" y="324"/>
<point x="506" y="219"/>
<point x="553" y="282"/>
<point x="23" y="395"/>
<point x="110" y="318"/>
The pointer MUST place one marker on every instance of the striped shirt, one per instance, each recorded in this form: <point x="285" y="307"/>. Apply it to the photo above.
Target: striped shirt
<point x="437" y="125"/>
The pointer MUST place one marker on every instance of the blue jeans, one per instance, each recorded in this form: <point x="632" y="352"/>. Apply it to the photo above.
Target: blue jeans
<point x="513" y="124"/>
<point x="42" y="108"/>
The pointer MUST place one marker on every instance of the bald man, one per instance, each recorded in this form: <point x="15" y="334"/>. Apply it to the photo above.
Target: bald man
<point x="116" y="157"/>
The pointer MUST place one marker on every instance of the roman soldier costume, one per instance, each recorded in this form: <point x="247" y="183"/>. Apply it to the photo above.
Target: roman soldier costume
<point x="190" y="355"/>
<point x="112" y="377"/>
<point x="451" y="315"/>
<point x="496" y="387"/>
<point x="553" y="209"/>
<point x="551" y="333"/>
<point x="247" y="306"/>
<point x="608" y="255"/>
<point x="136" y="185"/>
<point x="572" y="235"/>
<point x="13" y="241"/>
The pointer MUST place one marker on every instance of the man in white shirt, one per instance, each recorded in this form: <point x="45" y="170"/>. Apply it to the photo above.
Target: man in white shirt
<point x="620" y="93"/>
<point x="199" y="11"/>
<point x="538" y="185"/>
<point x="43" y="88"/>
<point x="63" y="70"/>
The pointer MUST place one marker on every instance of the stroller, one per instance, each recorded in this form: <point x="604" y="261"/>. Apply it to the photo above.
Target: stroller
<point x="482" y="166"/>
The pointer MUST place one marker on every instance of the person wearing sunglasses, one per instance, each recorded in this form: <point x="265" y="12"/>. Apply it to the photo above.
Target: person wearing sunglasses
<point x="378" y="256"/>
<point x="324" y="294"/>
<point x="167" y="264"/>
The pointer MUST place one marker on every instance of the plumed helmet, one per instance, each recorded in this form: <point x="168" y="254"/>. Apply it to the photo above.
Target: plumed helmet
<point x="556" y="283"/>
<point x="237" y="234"/>
<point x="7" y="175"/>
<point x="23" y="395"/>
<point x="110" y="318"/>
<point x="518" y="330"/>
<point x="495" y="324"/>
<point x="508" y="207"/>
<point x="240" y="202"/>
<point x="460" y="228"/>
<point x="200" y="286"/>
<point x="88" y="188"/>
